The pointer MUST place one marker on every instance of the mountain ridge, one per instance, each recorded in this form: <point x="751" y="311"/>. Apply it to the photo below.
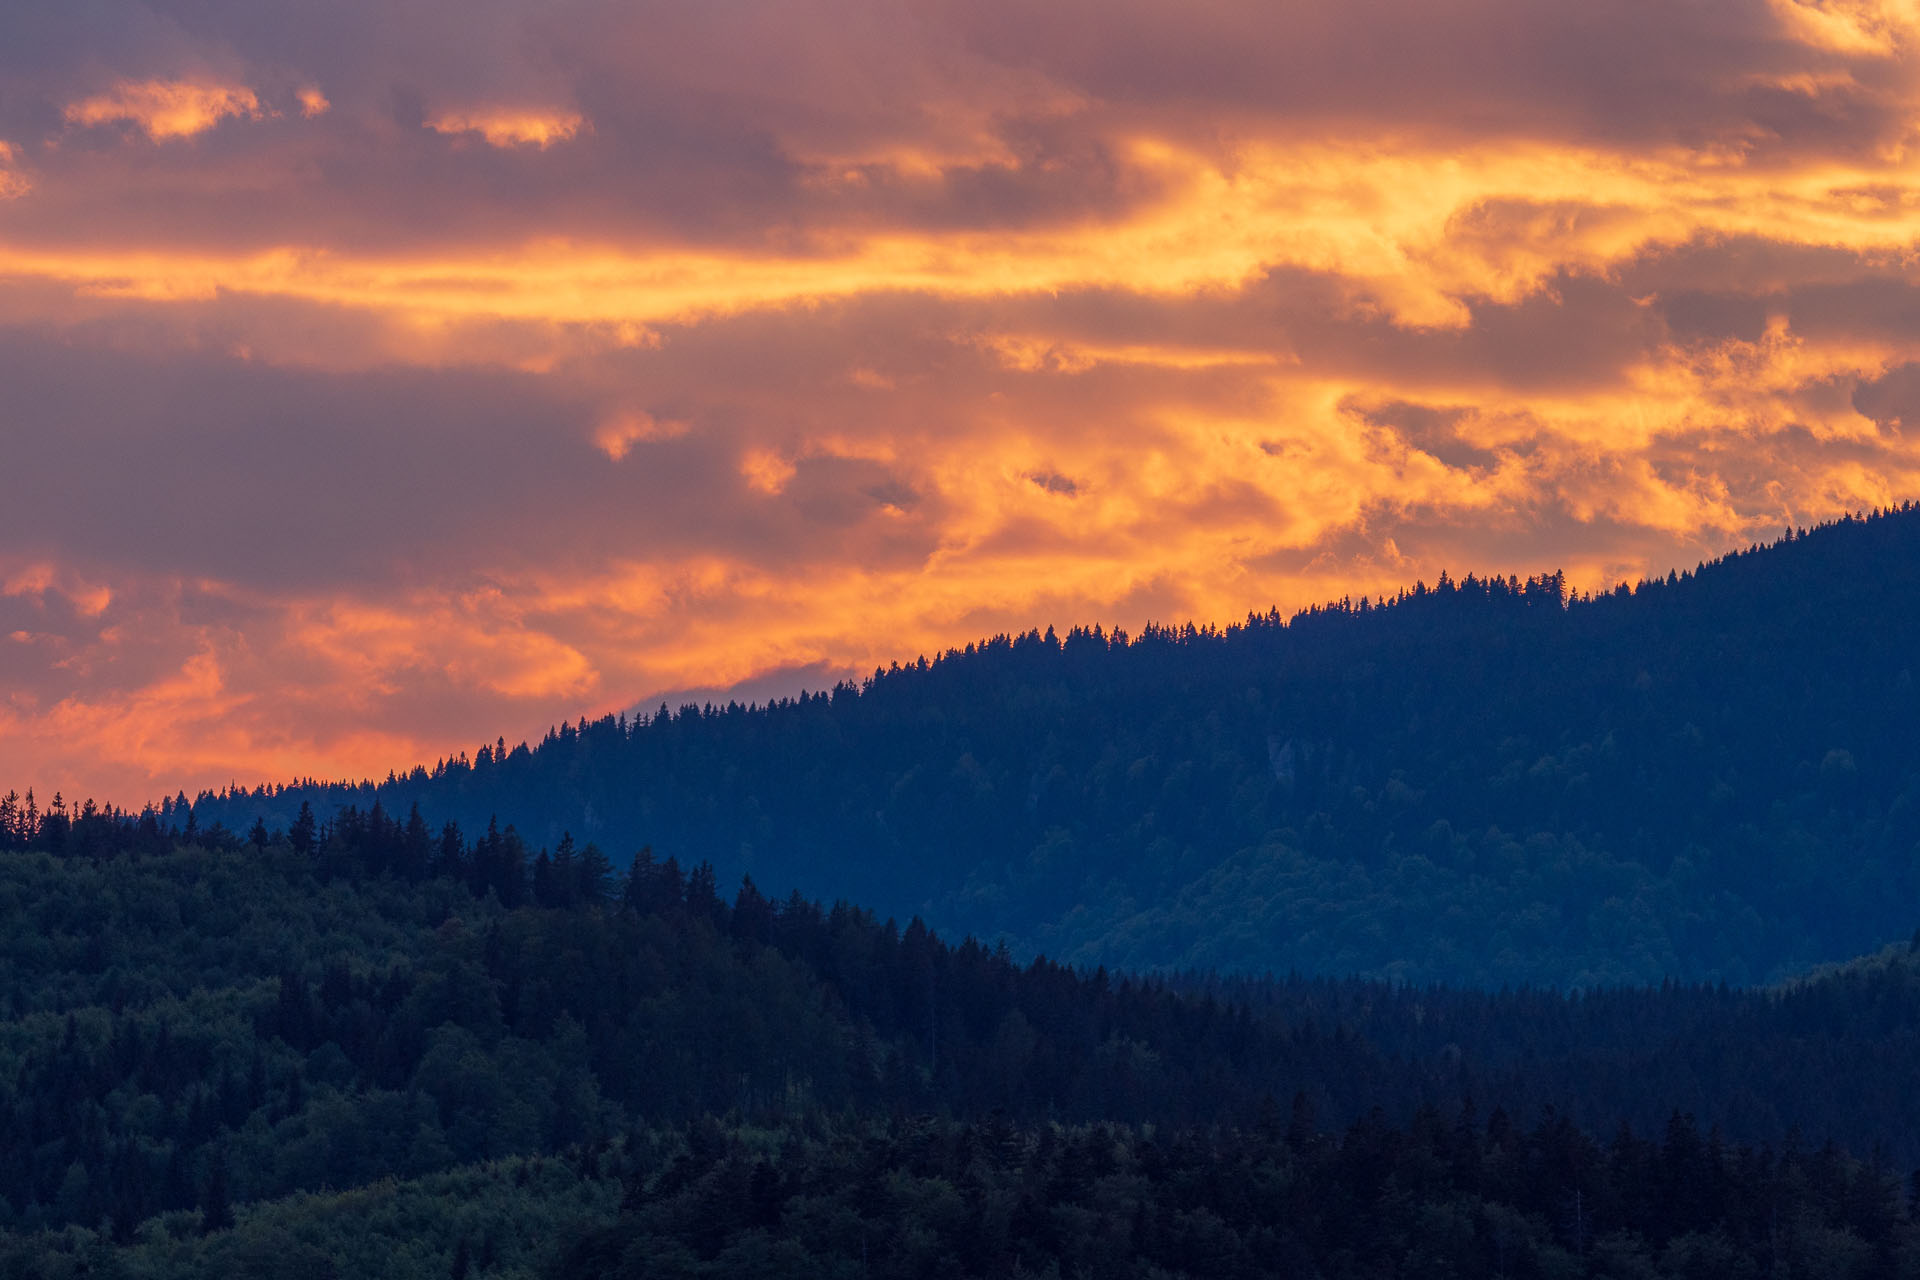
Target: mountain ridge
<point x="1705" y="776"/>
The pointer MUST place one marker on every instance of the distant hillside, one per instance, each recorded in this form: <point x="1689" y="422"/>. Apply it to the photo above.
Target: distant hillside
<point x="1714" y="776"/>
<point x="269" y="1062"/>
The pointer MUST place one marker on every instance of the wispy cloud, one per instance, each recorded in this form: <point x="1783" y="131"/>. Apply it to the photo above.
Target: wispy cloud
<point x="13" y="183"/>
<point x="504" y="127"/>
<point x="164" y="109"/>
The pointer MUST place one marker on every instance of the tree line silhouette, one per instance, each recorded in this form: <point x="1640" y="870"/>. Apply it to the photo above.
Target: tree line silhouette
<point x="1490" y="780"/>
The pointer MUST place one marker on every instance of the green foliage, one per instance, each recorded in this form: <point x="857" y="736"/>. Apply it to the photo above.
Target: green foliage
<point x="252" y="1063"/>
<point x="514" y="1212"/>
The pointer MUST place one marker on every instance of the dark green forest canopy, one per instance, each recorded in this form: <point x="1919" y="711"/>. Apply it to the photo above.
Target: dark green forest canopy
<point x="220" y="1060"/>
<point x="1710" y="777"/>
<point x="1442" y="1196"/>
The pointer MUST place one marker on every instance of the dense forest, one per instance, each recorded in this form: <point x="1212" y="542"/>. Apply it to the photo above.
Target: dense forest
<point x="1484" y="781"/>
<point x="365" y="1048"/>
<point x="1442" y="1196"/>
<point x="1354" y="919"/>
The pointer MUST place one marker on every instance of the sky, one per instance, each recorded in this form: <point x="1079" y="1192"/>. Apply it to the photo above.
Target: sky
<point x="383" y="376"/>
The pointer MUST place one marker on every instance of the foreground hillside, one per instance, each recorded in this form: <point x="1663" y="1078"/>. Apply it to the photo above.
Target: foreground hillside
<point x="259" y="1061"/>
<point x="1708" y="777"/>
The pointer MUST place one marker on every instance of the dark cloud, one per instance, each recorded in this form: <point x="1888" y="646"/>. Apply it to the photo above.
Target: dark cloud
<point x="1644" y="71"/>
<point x="1432" y="429"/>
<point x="1695" y="315"/>
<point x="305" y="480"/>
<point x="1870" y="307"/>
<point x="1893" y="399"/>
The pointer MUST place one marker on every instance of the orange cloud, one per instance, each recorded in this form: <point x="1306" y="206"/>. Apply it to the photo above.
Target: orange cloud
<point x="1875" y="28"/>
<point x="507" y="127"/>
<point x="90" y="599"/>
<point x="617" y="435"/>
<point x="13" y="184"/>
<point x="313" y="102"/>
<point x="164" y="109"/>
<point x="766" y="471"/>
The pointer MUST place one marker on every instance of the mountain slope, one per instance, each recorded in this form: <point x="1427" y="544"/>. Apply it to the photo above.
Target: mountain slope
<point x="1713" y="776"/>
<point x="262" y="1062"/>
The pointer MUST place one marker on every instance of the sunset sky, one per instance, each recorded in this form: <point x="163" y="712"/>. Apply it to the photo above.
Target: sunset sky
<point x="379" y="377"/>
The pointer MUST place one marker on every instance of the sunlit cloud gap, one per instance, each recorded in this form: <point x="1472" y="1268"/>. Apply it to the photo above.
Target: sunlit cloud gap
<point x="508" y="128"/>
<point x="166" y="109"/>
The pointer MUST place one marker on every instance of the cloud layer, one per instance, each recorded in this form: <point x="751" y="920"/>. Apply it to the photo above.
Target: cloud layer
<point x="381" y="378"/>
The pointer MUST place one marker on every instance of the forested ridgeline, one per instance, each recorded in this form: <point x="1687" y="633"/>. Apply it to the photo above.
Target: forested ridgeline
<point x="195" y="1031"/>
<point x="1711" y="776"/>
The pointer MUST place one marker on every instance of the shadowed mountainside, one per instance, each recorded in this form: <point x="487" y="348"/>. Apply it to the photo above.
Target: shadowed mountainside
<point x="1711" y="776"/>
<point x="190" y="1032"/>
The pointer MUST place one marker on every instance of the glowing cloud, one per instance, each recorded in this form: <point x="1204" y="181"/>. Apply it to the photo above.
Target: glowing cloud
<point x="617" y="435"/>
<point x="766" y="471"/>
<point x="13" y="184"/>
<point x="313" y="102"/>
<point x="503" y="127"/>
<point x="165" y="109"/>
<point x="1869" y="27"/>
